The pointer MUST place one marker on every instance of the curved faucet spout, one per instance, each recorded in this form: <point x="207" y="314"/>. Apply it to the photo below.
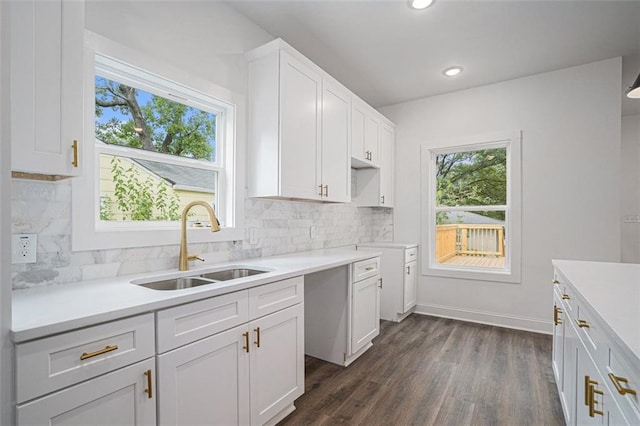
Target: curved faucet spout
<point x="183" y="263"/>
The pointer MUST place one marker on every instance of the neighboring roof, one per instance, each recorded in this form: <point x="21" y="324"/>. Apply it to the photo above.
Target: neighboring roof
<point x="472" y="218"/>
<point x="181" y="175"/>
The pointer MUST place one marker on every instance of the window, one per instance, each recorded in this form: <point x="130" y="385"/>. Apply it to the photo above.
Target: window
<point x="471" y="213"/>
<point x="155" y="140"/>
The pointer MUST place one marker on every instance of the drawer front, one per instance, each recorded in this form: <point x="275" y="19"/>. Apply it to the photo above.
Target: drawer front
<point x="269" y="298"/>
<point x="365" y="269"/>
<point x="623" y="380"/>
<point x="194" y="321"/>
<point x="45" y="365"/>
<point x="410" y="254"/>
<point x="592" y="334"/>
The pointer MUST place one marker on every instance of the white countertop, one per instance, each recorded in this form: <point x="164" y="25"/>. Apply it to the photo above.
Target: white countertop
<point x="613" y="290"/>
<point x="43" y="311"/>
<point x="388" y="245"/>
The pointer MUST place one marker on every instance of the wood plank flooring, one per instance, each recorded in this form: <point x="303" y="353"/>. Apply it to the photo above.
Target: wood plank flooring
<point x="436" y="371"/>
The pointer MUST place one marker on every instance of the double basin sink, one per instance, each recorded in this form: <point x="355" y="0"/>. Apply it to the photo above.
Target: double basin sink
<point x="206" y="278"/>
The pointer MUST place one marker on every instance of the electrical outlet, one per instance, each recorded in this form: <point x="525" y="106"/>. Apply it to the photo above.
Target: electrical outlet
<point x="23" y="248"/>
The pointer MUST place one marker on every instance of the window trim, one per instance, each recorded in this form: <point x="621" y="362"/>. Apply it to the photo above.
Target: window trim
<point x="512" y="140"/>
<point x="87" y="231"/>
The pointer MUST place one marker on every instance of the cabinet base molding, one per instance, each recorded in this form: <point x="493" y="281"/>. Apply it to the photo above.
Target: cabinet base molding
<point x="281" y="415"/>
<point x="399" y="317"/>
<point x="348" y="360"/>
<point x="488" y="318"/>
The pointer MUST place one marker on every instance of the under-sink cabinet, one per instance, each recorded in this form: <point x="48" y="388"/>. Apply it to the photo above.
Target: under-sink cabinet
<point x="248" y="368"/>
<point x="103" y="374"/>
<point x="596" y="373"/>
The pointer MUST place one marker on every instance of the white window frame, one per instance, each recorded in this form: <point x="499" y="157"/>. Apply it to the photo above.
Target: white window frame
<point x="511" y="273"/>
<point x="88" y="232"/>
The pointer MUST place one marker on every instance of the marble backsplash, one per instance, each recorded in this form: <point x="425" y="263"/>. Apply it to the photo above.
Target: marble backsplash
<point x="44" y="208"/>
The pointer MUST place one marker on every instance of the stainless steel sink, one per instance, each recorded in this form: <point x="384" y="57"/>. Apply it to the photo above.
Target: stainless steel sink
<point x="231" y="274"/>
<point x="177" y="283"/>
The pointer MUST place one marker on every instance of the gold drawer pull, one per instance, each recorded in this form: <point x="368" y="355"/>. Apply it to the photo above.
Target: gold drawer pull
<point x="556" y="282"/>
<point x="556" y="315"/>
<point x="369" y="268"/>
<point x="588" y="384"/>
<point x="149" y="389"/>
<point x="100" y="352"/>
<point x="566" y="297"/>
<point x="592" y="401"/>
<point x="582" y="323"/>
<point x="616" y="382"/>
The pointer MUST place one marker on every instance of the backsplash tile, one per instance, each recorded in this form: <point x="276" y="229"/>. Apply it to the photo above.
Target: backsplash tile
<point x="282" y="227"/>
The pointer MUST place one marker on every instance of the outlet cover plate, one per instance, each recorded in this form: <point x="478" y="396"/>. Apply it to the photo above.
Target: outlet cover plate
<point x="23" y="248"/>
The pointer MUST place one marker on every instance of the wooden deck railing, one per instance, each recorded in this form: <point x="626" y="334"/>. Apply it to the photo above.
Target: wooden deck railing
<point x="468" y="240"/>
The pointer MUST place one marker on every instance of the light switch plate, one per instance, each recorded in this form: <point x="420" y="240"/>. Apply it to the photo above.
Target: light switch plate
<point x="23" y="248"/>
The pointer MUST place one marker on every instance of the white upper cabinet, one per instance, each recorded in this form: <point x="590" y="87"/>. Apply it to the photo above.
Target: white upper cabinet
<point x="46" y="86"/>
<point x="365" y="132"/>
<point x="336" y="170"/>
<point x="387" y="138"/>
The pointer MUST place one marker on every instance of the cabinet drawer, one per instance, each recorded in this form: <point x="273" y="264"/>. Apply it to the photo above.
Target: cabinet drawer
<point x="269" y="298"/>
<point x="193" y="321"/>
<point x="592" y="334"/>
<point x="365" y="269"/>
<point x="620" y="373"/>
<point x="55" y="362"/>
<point x="410" y="254"/>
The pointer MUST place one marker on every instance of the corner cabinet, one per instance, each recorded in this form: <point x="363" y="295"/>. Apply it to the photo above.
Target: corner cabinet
<point x="374" y="184"/>
<point x="299" y="131"/>
<point x="597" y="373"/>
<point x="47" y="114"/>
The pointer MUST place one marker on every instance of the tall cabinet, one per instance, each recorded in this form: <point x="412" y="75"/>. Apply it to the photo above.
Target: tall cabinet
<point x="299" y="134"/>
<point x="46" y="87"/>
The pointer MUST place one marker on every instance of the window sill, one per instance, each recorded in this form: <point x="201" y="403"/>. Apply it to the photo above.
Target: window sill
<point x="498" y="275"/>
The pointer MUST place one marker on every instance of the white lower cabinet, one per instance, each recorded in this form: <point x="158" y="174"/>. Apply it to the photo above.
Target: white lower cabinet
<point x="365" y="312"/>
<point x="249" y="374"/>
<point x="583" y="356"/>
<point x="123" y="397"/>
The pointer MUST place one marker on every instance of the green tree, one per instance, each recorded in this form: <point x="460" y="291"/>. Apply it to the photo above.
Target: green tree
<point x="472" y="178"/>
<point x="155" y="124"/>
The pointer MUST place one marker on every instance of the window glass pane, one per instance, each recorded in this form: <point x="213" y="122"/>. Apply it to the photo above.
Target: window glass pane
<point x="475" y="239"/>
<point x="142" y="190"/>
<point x="132" y="117"/>
<point x="472" y="178"/>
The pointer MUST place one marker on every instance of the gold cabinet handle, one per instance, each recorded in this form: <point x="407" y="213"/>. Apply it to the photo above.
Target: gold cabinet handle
<point x="616" y="382"/>
<point x="99" y="352"/>
<point x="566" y="297"/>
<point x="369" y="268"/>
<point x="592" y="401"/>
<point x="382" y="198"/>
<point x="246" y="341"/>
<point x="326" y="190"/>
<point x="556" y="282"/>
<point x="257" y="330"/>
<point x="75" y="153"/>
<point x="380" y="282"/>
<point x="556" y="315"/>
<point x="408" y="270"/>
<point x="320" y="193"/>
<point x="149" y="389"/>
<point x="582" y="323"/>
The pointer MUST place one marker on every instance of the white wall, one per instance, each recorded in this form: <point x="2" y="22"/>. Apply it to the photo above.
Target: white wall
<point x="570" y="121"/>
<point x="630" y="197"/>
<point x="6" y="350"/>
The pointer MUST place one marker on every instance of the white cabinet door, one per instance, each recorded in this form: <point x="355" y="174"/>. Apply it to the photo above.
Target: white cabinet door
<point x="590" y="391"/>
<point x="122" y="397"/>
<point x="364" y="135"/>
<point x="409" y="295"/>
<point x="206" y="382"/>
<point x="557" y="357"/>
<point x="46" y="86"/>
<point x="277" y="362"/>
<point x="336" y="169"/>
<point x="365" y="312"/>
<point x="386" y="166"/>
<point x="300" y="145"/>
<point x="569" y="372"/>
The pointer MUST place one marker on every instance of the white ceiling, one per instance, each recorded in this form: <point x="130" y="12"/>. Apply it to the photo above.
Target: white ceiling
<point x="387" y="53"/>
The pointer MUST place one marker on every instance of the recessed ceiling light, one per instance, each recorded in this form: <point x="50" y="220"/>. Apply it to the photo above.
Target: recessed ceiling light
<point x="421" y="4"/>
<point x="452" y="71"/>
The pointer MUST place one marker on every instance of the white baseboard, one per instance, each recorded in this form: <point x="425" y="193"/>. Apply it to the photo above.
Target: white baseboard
<point x="490" y="318"/>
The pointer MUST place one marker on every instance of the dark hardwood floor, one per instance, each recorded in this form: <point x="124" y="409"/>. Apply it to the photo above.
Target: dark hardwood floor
<point x="436" y="371"/>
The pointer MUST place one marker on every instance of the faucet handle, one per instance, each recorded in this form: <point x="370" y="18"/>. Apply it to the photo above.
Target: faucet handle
<point x="194" y="257"/>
